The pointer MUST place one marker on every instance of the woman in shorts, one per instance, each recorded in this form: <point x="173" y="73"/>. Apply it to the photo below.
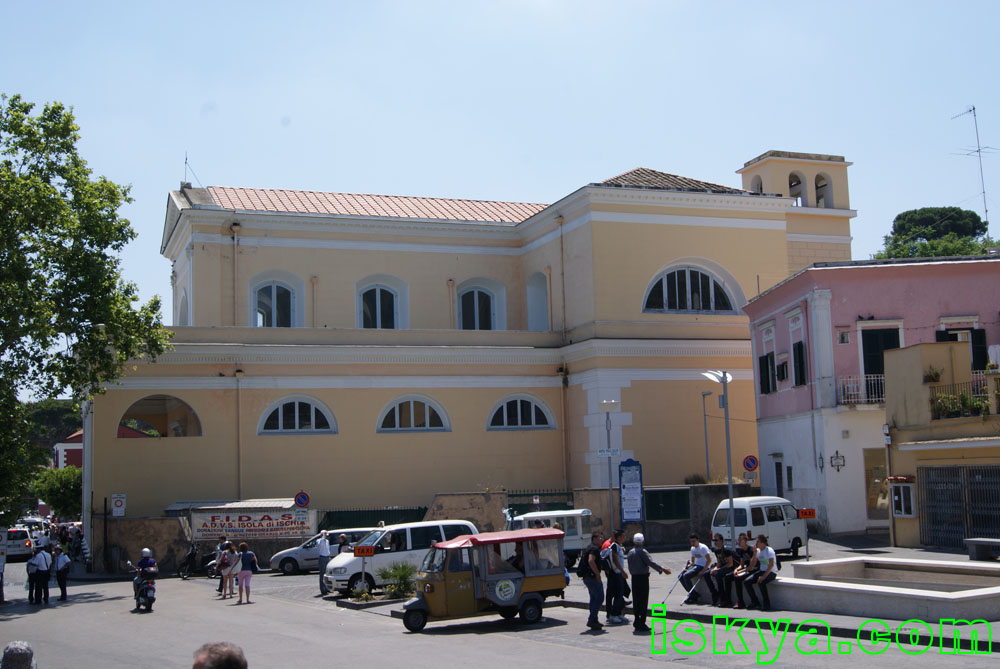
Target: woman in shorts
<point x="248" y="564"/>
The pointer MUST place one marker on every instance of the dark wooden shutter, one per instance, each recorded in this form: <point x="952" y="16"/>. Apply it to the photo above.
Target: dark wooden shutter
<point x="979" y="353"/>
<point x="764" y="372"/>
<point x="941" y="335"/>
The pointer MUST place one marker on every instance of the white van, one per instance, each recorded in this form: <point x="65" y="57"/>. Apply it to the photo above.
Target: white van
<point x="774" y="517"/>
<point x="305" y="557"/>
<point x="406" y="542"/>
<point x="19" y="543"/>
<point x="575" y="525"/>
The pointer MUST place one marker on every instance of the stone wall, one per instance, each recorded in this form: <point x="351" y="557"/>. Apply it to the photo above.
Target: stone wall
<point x="126" y="537"/>
<point x="482" y="509"/>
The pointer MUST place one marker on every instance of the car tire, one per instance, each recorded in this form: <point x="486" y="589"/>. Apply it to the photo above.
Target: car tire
<point x="531" y="612"/>
<point x="414" y="620"/>
<point x="508" y="612"/>
<point x="796" y="545"/>
<point x="289" y="566"/>
<point x="353" y="583"/>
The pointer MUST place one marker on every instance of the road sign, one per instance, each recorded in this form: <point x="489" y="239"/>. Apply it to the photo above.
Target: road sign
<point x="807" y="513"/>
<point x="302" y="499"/>
<point x="364" y="551"/>
<point x="118" y="504"/>
<point x="609" y="452"/>
<point x="749" y="477"/>
<point x="750" y="463"/>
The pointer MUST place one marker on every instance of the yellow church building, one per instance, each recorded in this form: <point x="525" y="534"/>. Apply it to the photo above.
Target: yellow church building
<point x="377" y="349"/>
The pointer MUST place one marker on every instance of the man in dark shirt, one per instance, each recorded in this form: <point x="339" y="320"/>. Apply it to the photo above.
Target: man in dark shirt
<point x="723" y="568"/>
<point x="590" y="572"/>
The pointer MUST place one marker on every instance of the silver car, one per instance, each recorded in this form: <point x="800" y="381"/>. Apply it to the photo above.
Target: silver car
<point x="19" y="543"/>
<point x="305" y="557"/>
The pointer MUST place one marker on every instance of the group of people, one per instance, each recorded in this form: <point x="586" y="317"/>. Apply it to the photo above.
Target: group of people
<point x="608" y="559"/>
<point x="744" y="566"/>
<point x="327" y="553"/>
<point x="47" y="562"/>
<point x="235" y="569"/>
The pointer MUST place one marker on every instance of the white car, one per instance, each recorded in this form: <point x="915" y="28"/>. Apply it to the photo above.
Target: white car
<point x="19" y="543"/>
<point x="774" y="517"/>
<point x="305" y="556"/>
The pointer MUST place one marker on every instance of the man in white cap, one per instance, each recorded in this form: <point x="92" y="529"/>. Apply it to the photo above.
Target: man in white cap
<point x="324" y="558"/>
<point x="639" y="564"/>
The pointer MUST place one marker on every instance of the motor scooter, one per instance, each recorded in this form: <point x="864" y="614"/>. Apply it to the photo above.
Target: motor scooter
<point x="190" y="564"/>
<point x="144" y="586"/>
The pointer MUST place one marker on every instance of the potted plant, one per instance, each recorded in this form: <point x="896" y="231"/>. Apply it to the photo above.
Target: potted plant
<point x="992" y="367"/>
<point x="932" y="375"/>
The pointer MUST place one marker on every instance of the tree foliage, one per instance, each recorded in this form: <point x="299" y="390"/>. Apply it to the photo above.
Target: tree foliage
<point x="936" y="231"/>
<point x="69" y="322"/>
<point x="61" y="489"/>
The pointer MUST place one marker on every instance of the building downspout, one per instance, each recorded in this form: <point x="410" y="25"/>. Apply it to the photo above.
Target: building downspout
<point x="88" y="469"/>
<point x="235" y="228"/>
<point x="562" y="274"/>
<point x="453" y="318"/>
<point x="564" y="374"/>
<point x="239" y="433"/>
<point x="888" y="474"/>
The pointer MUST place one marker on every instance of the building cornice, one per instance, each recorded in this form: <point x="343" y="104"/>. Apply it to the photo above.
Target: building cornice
<point x="688" y="199"/>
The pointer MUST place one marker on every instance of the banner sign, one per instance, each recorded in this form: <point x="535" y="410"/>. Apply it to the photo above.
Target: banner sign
<point x="248" y="524"/>
<point x="630" y="478"/>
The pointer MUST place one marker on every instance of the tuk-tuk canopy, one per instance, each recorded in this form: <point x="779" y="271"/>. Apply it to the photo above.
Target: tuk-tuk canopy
<point x="467" y="540"/>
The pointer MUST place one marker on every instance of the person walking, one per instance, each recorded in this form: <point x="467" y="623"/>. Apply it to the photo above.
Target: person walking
<point x="698" y="564"/>
<point x="639" y="564"/>
<point x="324" y="559"/>
<point x="218" y="557"/>
<point x="590" y="571"/>
<point x="248" y="565"/>
<point x="616" y="579"/>
<point x="60" y="563"/>
<point x="43" y="565"/>
<point x="229" y="574"/>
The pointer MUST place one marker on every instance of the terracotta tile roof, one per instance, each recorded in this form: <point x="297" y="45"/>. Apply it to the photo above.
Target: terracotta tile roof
<point x="391" y="206"/>
<point x="643" y="177"/>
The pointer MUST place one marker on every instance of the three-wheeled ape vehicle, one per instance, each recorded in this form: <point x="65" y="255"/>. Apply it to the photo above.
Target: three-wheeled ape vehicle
<point x="506" y="573"/>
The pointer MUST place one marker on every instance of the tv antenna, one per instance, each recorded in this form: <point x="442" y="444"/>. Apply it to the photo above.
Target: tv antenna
<point x="979" y="154"/>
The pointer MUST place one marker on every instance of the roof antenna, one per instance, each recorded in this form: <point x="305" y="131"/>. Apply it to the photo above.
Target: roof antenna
<point x="188" y="168"/>
<point x="979" y="154"/>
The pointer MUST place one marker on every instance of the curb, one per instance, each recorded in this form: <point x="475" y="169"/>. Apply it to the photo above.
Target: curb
<point x="361" y="606"/>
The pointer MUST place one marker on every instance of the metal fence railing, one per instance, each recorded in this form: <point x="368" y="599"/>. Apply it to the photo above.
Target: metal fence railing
<point x="861" y="389"/>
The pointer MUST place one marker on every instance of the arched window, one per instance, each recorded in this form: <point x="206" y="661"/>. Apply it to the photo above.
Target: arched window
<point x="182" y="309"/>
<point x="297" y="415"/>
<point x="687" y="289"/>
<point x="273" y="301"/>
<point x="797" y="189"/>
<point x="475" y="310"/>
<point x="383" y="303"/>
<point x="756" y="184"/>
<point x="159" y="416"/>
<point x="521" y="412"/>
<point x="538" y="303"/>
<point x="824" y="192"/>
<point x="414" y="414"/>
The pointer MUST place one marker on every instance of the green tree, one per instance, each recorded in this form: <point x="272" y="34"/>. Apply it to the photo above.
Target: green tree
<point x="936" y="231"/>
<point x="69" y="323"/>
<point x="61" y="489"/>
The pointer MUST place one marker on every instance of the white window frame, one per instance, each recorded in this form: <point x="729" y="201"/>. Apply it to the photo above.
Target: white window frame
<point x="520" y="397"/>
<point x="895" y="488"/>
<point x="429" y="404"/>
<point x="496" y="290"/>
<point x="294" y="284"/>
<point x="315" y="405"/>
<point x="399" y="288"/>
<point x="877" y="325"/>
<point x="767" y="346"/>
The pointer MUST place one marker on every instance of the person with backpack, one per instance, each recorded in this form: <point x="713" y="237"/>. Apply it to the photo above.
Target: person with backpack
<point x="614" y="557"/>
<point x="589" y="570"/>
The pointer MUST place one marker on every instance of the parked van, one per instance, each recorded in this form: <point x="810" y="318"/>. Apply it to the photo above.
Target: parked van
<point x="305" y="557"/>
<point x="406" y="542"/>
<point x="19" y="543"/>
<point x="774" y="517"/>
<point x="575" y="524"/>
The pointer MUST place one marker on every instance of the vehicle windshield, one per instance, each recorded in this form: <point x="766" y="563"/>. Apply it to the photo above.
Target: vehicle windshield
<point x="372" y="538"/>
<point x="722" y="517"/>
<point x="434" y="560"/>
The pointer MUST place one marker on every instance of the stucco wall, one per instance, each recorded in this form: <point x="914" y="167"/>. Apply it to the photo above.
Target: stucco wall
<point x="482" y="509"/>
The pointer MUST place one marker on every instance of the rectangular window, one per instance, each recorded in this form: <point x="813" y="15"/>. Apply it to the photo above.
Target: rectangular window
<point x="757" y="516"/>
<point x="774" y="514"/>
<point x="788" y="478"/>
<point x="767" y="373"/>
<point x="902" y="500"/>
<point x="672" y="504"/>
<point x="424" y="537"/>
<point x="469" y="310"/>
<point x="387" y="312"/>
<point x="369" y="309"/>
<point x="799" y="362"/>
<point x="844" y="337"/>
<point x="779" y="483"/>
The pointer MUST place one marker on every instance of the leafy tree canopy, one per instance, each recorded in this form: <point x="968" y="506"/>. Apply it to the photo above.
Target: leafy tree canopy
<point x="949" y="245"/>
<point x="61" y="489"/>
<point x="69" y="321"/>
<point x="936" y="231"/>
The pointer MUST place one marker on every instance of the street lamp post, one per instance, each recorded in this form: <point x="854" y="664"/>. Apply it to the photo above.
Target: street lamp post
<point x="608" y="406"/>
<point x="724" y="378"/>
<point x="704" y="420"/>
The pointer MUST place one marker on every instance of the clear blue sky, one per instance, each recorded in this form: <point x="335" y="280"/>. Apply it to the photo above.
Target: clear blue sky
<point x="524" y="100"/>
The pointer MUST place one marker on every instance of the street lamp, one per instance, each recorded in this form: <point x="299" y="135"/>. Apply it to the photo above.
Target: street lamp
<point x="608" y="406"/>
<point x="704" y="420"/>
<point x="724" y="378"/>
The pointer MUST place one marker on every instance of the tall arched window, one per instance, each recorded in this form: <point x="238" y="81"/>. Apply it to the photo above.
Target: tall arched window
<point x="687" y="289"/>
<point x="538" y="302"/>
<point x="797" y="189"/>
<point x="756" y="184"/>
<point x="274" y="304"/>
<point x="297" y="415"/>
<point x="521" y="412"/>
<point x="475" y="310"/>
<point x="824" y="192"/>
<point x="378" y="308"/>
<point x="414" y="414"/>
<point x="159" y="416"/>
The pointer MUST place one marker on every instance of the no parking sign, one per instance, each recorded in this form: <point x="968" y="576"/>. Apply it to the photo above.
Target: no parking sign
<point x="750" y="463"/>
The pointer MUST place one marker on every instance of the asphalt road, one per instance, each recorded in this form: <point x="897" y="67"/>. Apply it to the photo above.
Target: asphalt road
<point x="289" y="625"/>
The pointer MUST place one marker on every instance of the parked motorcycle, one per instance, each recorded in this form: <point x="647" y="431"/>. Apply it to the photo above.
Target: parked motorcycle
<point x="144" y="586"/>
<point x="191" y="565"/>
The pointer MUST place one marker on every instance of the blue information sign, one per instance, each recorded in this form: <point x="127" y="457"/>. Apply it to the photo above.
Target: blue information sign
<point x="633" y="510"/>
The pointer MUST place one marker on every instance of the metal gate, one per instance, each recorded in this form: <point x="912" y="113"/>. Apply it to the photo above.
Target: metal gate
<point x="957" y="502"/>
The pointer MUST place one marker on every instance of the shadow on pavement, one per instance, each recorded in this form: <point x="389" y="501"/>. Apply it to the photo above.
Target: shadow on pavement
<point x="500" y="626"/>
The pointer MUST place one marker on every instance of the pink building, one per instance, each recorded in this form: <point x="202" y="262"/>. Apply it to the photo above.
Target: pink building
<point x="819" y="337"/>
